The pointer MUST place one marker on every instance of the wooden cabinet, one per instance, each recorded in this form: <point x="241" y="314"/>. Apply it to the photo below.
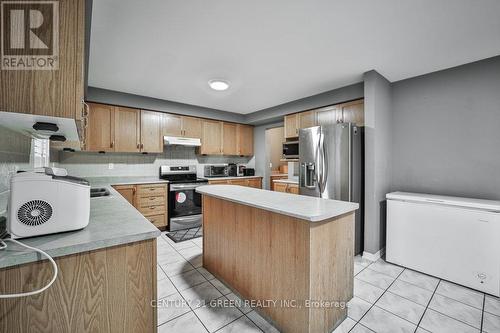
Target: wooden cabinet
<point x="229" y="139"/>
<point x="59" y="92"/>
<point x="181" y="126"/>
<point x="291" y="126"/>
<point x="296" y="121"/>
<point x="272" y="178"/>
<point x="120" y="129"/>
<point x="351" y="112"/>
<point x="128" y="192"/>
<point x="100" y="132"/>
<point x="245" y="140"/>
<point x="191" y="127"/>
<point x="151" y="200"/>
<point x="211" y="137"/>
<point x="151" y="139"/>
<point x="286" y="188"/>
<point x="127" y="130"/>
<point x="171" y="125"/>
<point x="255" y="182"/>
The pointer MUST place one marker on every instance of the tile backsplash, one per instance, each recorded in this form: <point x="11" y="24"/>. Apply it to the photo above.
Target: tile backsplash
<point x="86" y="164"/>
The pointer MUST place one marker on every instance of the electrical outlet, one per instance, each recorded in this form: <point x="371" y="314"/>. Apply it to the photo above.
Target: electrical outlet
<point x="111" y="166"/>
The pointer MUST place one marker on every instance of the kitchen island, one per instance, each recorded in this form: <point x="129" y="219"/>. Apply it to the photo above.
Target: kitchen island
<point x="291" y="254"/>
<point x="106" y="280"/>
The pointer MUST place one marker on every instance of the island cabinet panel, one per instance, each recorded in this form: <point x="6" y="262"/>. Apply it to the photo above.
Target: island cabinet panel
<point x="269" y="256"/>
<point x="107" y="290"/>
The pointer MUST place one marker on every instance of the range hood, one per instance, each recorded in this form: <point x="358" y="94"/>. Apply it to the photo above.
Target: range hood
<point x="180" y="141"/>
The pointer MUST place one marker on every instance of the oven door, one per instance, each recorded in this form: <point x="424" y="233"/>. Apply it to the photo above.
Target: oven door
<point x="183" y="200"/>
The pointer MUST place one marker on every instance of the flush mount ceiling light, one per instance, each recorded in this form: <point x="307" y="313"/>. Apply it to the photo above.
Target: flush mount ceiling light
<point x="218" y="85"/>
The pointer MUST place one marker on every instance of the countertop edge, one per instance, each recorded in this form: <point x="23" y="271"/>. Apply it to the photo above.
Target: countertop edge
<point x="312" y="218"/>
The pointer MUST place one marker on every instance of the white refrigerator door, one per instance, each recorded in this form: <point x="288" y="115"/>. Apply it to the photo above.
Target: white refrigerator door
<point x="458" y="244"/>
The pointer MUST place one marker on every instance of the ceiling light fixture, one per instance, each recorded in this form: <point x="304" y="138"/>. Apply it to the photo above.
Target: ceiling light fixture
<point x="218" y="85"/>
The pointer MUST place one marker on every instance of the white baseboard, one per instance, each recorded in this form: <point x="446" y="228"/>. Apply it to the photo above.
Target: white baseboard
<point x="374" y="256"/>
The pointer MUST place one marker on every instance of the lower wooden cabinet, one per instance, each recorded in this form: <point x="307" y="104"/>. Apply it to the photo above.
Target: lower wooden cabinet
<point x="286" y="187"/>
<point x="249" y="182"/>
<point x="149" y="199"/>
<point x="272" y="178"/>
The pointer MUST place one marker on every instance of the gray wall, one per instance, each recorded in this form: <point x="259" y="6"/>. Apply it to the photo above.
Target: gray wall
<point x="276" y="113"/>
<point x="141" y="102"/>
<point x="378" y="138"/>
<point x="446" y="132"/>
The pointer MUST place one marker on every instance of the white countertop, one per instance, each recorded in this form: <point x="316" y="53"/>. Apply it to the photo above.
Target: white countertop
<point x="300" y="206"/>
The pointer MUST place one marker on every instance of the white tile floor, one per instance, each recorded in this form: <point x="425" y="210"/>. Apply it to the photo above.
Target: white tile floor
<point x="387" y="298"/>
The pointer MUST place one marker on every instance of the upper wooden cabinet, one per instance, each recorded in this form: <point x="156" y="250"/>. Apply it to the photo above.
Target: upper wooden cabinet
<point x="296" y="121"/>
<point x="245" y="140"/>
<point x="57" y="93"/>
<point x="229" y="139"/>
<point x="127" y="130"/>
<point x="291" y="126"/>
<point x="350" y="112"/>
<point x="151" y="138"/>
<point x="120" y="129"/>
<point x="211" y="137"/>
<point x="100" y="132"/>
<point x="181" y="126"/>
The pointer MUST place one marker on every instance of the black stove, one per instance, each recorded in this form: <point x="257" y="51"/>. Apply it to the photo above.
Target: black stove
<point x="184" y="204"/>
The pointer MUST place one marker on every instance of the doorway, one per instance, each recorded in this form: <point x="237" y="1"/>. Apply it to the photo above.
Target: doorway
<point x="274" y="154"/>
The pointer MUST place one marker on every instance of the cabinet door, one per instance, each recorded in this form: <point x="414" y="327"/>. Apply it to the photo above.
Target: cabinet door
<point x="127" y="130"/>
<point x="255" y="182"/>
<point x="291" y="126"/>
<point x="171" y="125"/>
<point x="229" y="139"/>
<point x="280" y="187"/>
<point x="353" y="112"/>
<point x="293" y="189"/>
<point x="128" y="192"/>
<point x="307" y="119"/>
<point x="328" y="115"/>
<point x="100" y="134"/>
<point x="211" y="137"/>
<point x="151" y="140"/>
<point x="191" y="127"/>
<point x="245" y="140"/>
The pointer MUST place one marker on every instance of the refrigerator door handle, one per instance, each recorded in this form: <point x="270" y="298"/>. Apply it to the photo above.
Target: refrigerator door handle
<point x="324" y="163"/>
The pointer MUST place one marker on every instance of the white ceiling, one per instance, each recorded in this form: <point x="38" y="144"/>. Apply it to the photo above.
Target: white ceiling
<point x="276" y="51"/>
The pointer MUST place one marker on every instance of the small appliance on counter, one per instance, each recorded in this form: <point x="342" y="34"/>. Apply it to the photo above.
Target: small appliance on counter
<point x="232" y="170"/>
<point x="249" y="172"/>
<point x="220" y="170"/>
<point x="241" y="169"/>
<point x="47" y="202"/>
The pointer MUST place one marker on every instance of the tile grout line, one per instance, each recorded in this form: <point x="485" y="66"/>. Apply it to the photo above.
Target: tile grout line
<point x="427" y="306"/>
<point x="192" y="310"/>
<point x="371" y="307"/>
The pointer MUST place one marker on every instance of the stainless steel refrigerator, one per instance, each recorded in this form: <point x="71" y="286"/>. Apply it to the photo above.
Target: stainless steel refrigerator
<point x="331" y="167"/>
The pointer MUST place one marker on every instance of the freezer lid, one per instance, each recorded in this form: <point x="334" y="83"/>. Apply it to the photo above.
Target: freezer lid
<point x="490" y="205"/>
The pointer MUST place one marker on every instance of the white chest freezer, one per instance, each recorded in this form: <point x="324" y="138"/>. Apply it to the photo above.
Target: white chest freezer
<point x="456" y="239"/>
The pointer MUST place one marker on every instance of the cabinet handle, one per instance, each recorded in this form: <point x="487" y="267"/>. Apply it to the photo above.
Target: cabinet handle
<point x="142" y="146"/>
<point x="112" y="144"/>
<point x="138" y="146"/>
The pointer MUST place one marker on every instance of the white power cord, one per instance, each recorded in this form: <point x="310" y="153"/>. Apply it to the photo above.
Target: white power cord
<point x="34" y="292"/>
